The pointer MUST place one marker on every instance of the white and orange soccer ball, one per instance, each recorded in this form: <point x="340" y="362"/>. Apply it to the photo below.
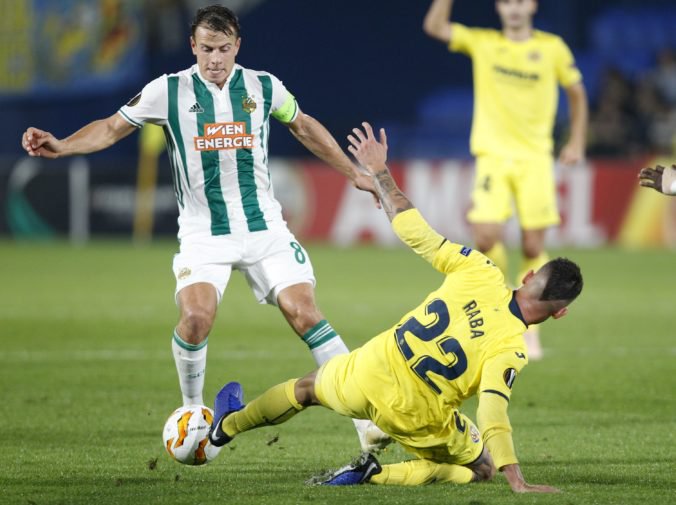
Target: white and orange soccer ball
<point x="186" y="435"/>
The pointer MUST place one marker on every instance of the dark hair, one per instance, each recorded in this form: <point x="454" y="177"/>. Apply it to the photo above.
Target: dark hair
<point x="216" y="18"/>
<point x="564" y="281"/>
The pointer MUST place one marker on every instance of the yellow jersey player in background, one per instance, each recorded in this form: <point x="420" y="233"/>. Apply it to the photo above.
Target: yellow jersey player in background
<point x="516" y="76"/>
<point x="464" y="339"/>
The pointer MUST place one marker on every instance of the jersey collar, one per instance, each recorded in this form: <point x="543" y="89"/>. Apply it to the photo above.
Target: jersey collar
<point x="515" y="309"/>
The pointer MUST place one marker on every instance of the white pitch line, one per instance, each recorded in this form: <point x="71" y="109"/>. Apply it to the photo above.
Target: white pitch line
<point x="24" y="356"/>
<point x="134" y="355"/>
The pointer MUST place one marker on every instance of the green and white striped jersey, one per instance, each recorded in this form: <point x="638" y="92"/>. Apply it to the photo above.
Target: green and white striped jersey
<point x="217" y="141"/>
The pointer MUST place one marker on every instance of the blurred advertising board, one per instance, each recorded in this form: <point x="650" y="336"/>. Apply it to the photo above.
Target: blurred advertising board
<point x="600" y="201"/>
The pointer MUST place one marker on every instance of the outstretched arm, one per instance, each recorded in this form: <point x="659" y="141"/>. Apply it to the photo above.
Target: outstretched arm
<point x="437" y="22"/>
<point x="497" y="378"/>
<point x="317" y="139"/>
<point x="407" y="222"/>
<point x="95" y="136"/>
<point x="373" y="157"/>
<point x="659" y="178"/>
<point x="573" y="151"/>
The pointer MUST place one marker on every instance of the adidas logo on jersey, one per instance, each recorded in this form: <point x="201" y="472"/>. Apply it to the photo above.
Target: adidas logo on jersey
<point x="196" y="108"/>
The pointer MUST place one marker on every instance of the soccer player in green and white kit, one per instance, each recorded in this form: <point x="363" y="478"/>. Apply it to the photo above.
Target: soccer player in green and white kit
<point x="215" y="117"/>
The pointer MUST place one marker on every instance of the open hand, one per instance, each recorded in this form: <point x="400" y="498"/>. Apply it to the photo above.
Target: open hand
<point x="370" y="153"/>
<point x="518" y="484"/>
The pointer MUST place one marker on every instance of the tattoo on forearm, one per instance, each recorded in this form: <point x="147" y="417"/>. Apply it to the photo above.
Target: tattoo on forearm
<point x="391" y="197"/>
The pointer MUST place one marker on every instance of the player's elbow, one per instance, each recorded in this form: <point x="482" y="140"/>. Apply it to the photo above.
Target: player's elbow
<point x="430" y="27"/>
<point x="115" y="129"/>
<point x="577" y="93"/>
<point x="301" y="126"/>
<point x="437" y="30"/>
<point x="483" y="467"/>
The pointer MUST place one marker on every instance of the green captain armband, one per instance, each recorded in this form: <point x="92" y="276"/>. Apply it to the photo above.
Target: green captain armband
<point x="287" y="112"/>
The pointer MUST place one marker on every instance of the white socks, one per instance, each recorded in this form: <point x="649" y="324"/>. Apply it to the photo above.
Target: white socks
<point x="191" y="364"/>
<point x="329" y="349"/>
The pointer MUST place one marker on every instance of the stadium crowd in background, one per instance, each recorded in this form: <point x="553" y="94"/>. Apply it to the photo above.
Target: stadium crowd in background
<point x="636" y="116"/>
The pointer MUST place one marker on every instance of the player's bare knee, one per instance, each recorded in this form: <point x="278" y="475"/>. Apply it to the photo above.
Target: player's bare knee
<point x="483" y="473"/>
<point x="196" y="324"/>
<point x="304" y="390"/>
<point x="532" y="243"/>
<point x="483" y="468"/>
<point x="532" y="248"/>
<point x="484" y="242"/>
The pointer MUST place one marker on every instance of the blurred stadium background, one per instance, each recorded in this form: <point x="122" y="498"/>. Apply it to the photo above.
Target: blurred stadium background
<point x="67" y="62"/>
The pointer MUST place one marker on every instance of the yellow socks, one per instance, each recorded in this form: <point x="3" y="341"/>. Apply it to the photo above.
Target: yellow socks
<point x="533" y="264"/>
<point x="277" y="405"/>
<point x="498" y="255"/>
<point x="418" y="472"/>
<point x="532" y="335"/>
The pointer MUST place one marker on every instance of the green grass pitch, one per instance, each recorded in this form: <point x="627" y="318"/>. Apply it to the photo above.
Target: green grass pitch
<point x="87" y="381"/>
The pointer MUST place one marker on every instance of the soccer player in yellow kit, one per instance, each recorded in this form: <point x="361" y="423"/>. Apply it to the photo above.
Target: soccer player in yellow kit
<point x="464" y="339"/>
<point x="516" y="75"/>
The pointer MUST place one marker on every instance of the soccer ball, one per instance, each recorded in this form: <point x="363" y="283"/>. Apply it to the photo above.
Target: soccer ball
<point x="186" y="435"/>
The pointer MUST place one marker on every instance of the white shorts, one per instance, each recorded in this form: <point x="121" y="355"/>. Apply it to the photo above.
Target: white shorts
<point x="271" y="260"/>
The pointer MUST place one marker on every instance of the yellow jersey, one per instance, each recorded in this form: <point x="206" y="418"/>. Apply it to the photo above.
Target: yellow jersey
<point x="465" y="338"/>
<point x="515" y="89"/>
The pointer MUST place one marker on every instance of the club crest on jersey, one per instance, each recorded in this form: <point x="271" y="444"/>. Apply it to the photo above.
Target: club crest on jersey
<point x="534" y="55"/>
<point x="184" y="273"/>
<point x="222" y="136"/>
<point x="474" y="433"/>
<point x="248" y="104"/>
<point x="509" y="376"/>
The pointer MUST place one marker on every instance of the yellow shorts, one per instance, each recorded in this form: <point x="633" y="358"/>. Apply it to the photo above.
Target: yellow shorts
<point x="456" y="441"/>
<point x="529" y="183"/>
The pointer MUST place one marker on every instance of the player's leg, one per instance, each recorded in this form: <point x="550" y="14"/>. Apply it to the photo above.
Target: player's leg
<point x="462" y="460"/>
<point x="276" y="406"/>
<point x="197" y="305"/>
<point x="325" y="386"/>
<point x="488" y="239"/>
<point x="297" y="304"/>
<point x="534" y="257"/>
<point x="283" y="276"/>
<point x="535" y="196"/>
<point x="199" y="287"/>
<point x="491" y="207"/>
<point x="300" y="310"/>
<point x="420" y="472"/>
